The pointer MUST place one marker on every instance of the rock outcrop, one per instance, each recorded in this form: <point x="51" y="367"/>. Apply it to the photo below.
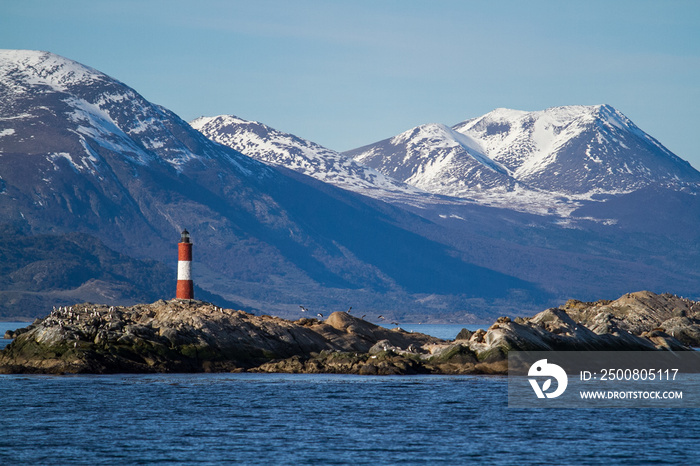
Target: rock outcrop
<point x="641" y="313"/>
<point x="185" y="336"/>
<point x="194" y="336"/>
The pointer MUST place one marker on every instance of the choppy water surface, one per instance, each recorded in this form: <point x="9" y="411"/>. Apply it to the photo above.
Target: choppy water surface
<point x="318" y="419"/>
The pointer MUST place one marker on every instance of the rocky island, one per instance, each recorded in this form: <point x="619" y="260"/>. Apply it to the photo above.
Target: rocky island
<point x="195" y="336"/>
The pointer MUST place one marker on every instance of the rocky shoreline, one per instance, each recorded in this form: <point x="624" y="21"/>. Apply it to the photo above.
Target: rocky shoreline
<point x="194" y="336"/>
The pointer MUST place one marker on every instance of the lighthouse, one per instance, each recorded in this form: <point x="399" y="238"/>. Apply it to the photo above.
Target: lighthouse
<point x="185" y="287"/>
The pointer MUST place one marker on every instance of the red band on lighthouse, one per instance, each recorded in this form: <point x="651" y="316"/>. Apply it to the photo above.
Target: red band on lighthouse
<point x="184" y="252"/>
<point x="185" y="286"/>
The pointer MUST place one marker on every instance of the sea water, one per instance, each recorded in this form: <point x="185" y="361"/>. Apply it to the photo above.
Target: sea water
<point x="319" y="419"/>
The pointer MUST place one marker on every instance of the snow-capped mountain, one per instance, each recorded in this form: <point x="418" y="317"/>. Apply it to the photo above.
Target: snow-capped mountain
<point x="40" y="86"/>
<point x="271" y="146"/>
<point x="436" y="159"/>
<point x="538" y="162"/>
<point x="576" y="150"/>
<point x="82" y="152"/>
<point x="574" y="241"/>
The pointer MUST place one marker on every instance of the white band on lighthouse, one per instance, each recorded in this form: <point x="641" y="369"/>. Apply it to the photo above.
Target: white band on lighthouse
<point x="184" y="270"/>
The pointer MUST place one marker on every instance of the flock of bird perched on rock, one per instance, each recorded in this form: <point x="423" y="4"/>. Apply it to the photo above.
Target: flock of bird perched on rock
<point x="349" y="311"/>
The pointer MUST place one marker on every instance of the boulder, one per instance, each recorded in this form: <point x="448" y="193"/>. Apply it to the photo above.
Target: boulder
<point x="464" y="334"/>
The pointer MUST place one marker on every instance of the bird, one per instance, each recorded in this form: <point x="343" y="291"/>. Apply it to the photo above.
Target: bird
<point x="303" y="309"/>
<point x="349" y="309"/>
<point x="363" y="316"/>
<point x="320" y="315"/>
<point x="394" y="323"/>
<point x="381" y="317"/>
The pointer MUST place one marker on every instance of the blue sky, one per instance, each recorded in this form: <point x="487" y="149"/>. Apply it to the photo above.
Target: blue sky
<point x="349" y="73"/>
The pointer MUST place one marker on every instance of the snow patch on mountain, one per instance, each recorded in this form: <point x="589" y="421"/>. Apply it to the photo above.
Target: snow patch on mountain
<point x="43" y="69"/>
<point x="439" y="136"/>
<point x="529" y="149"/>
<point x="96" y="124"/>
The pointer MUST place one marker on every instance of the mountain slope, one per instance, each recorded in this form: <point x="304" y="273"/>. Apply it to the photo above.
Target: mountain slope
<point x="82" y="152"/>
<point x="42" y="271"/>
<point x="274" y="147"/>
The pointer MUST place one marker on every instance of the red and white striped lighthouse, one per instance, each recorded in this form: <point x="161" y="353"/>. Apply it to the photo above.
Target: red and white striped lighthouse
<point x="185" y="287"/>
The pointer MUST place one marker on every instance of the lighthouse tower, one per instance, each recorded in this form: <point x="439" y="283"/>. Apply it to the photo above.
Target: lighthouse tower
<point x="185" y="287"/>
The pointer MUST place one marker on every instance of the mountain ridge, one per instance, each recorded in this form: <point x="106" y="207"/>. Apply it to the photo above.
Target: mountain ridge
<point x="275" y="147"/>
